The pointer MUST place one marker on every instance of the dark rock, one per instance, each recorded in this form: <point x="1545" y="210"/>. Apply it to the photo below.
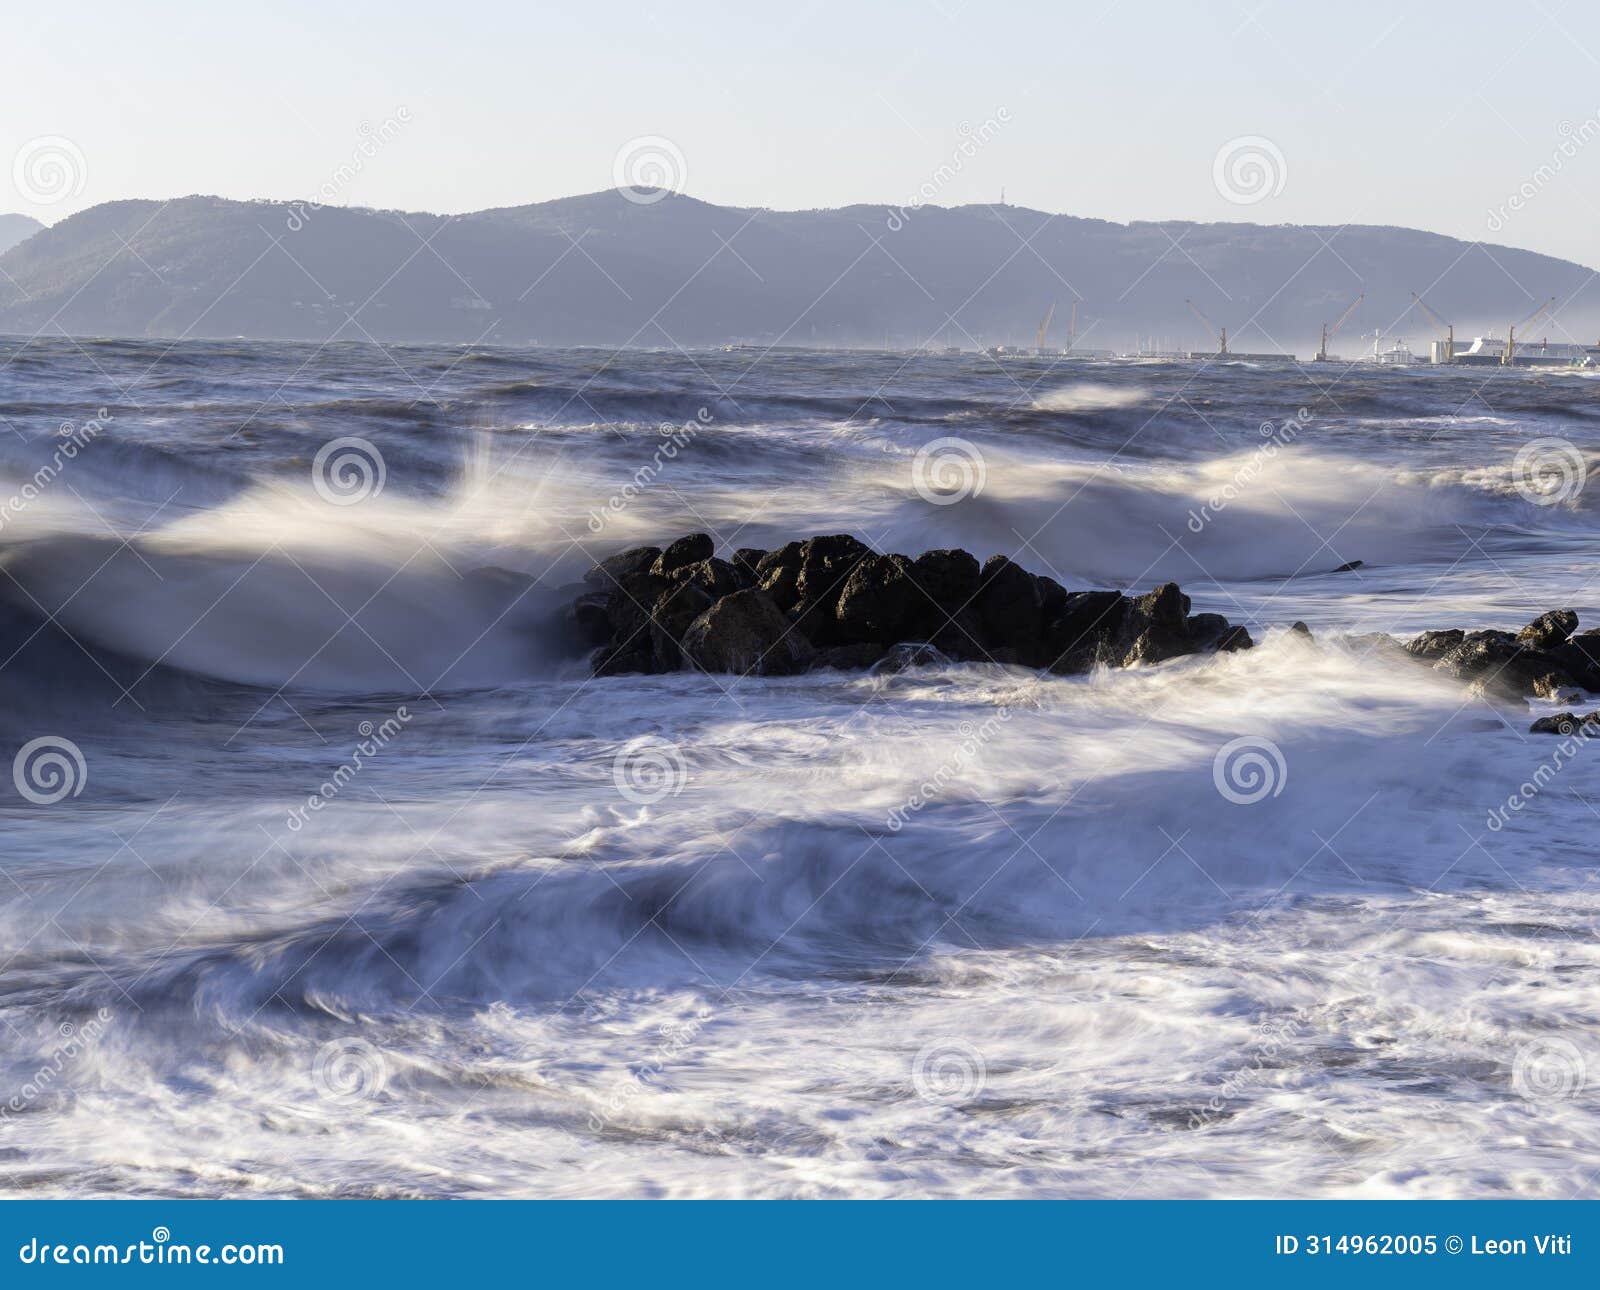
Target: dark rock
<point x="1498" y="665"/>
<point x="1154" y="629"/>
<point x="612" y="661"/>
<point x="826" y="563"/>
<point x="787" y="556"/>
<point x="1549" y="630"/>
<point x="849" y="658"/>
<point x="1567" y="723"/>
<point x="879" y="601"/>
<point x="686" y="550"/>
<point x="1580" y="657"/>
<point x="1432" y="645"/>
<point x="715" y="577"/>
<point x="1555" y="687"/>
<point x="746" y="560"/>
<point x="961" y="636"/>
<point x="1086" y="619"/>
<point x="628" y="607"/>
<point x="949" y="579"/>
<point x="670" y="618"/>
<point x="610" y="571"/>
<point x="781" y="582"/>
<point x="1298" y="628"/>
<point x="1205" y="630"/>
<point x="1052" y="597"/>
<point x="1349" y="566"/>
<point x="1233" y="640"/>
<point x="1009" y="604"/>
<point x="589" y="616"/>
<point x="746" y="634"/>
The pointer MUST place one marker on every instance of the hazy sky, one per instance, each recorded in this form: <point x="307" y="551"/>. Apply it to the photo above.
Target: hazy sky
<point x="1426" y="115"/>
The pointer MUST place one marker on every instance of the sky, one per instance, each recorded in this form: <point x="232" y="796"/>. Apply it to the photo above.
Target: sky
<point x="1477" y="120"/>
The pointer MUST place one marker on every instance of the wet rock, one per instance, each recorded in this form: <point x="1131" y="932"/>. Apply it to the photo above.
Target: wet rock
<point x="670" y="618"/>
<point x="949" y="579"/>
<point x="1086" y="620"/>
<point x="610" y="571"/>
<point x="1433" y="645"/>
<point x="747" y="559"/>
<point x="879" y="601"/>
<point x="1551" y="686"/>
<point x="1233" y="640"/>
<point x="611" y="660"/>
<point x="686" y="550"/>
<point x="747" y="634"/>
<point x="1350" y="566"/>
<point x="1549" y="630"/>
<point x="629" y="604"/>
<point x="961" y="636"/>
<point x="715" y="577"/>
<point x="826" y="563"/>
<point x="1497" y="665"/>
<point x="1298" y="628"/>
<point x="1205" y="630"/>
<point x="1154" y="629"/>
<point x="1567" y="723"/>
<point x="590" y="619"/>
<point x="1009" y="604"/>
<point x="1580" y="657"/>
<point x="781" y="582"/>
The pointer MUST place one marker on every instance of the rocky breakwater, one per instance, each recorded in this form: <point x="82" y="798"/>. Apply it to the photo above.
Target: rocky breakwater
<point x="832" y="602"/>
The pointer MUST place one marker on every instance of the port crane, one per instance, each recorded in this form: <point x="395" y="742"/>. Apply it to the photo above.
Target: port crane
<point x="1328" y="333"/>
<point x="1221" y="337"/>
<point x="1449" y="328"/>
<point x="1511" y="332"/>
<point x="1038" y="340"/>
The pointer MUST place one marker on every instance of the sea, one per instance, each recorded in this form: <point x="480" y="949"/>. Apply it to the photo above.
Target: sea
<point x="328" y="870"/>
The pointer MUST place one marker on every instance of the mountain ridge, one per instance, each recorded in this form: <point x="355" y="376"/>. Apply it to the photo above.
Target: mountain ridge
<point x="605" y="268"/>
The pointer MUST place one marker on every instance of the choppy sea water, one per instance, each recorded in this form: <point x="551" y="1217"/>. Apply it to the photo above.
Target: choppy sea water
<point x="329" y="872"/>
